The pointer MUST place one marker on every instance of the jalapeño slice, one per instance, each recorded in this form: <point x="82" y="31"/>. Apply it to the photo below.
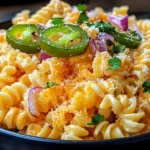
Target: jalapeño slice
<point x="24" y="37"/>
<point x="64" y="40"/>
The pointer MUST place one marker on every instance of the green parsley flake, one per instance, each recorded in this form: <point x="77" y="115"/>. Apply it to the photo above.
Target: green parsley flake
<point x="96" y="119"/>
<point x="115" y="63"/>
<point x="115" y="49"/>
<point x="57" y="21"/>
<point x="120" y="48"/>
<point x="102" y="26"/>
<point x="82" y="7"/>
<point x="146" y="86"/>
<point x="50" y="84"/>
<point x="83" y="18"/>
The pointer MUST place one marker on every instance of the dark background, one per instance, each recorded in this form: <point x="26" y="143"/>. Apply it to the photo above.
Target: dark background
<point x="9" y="8"/>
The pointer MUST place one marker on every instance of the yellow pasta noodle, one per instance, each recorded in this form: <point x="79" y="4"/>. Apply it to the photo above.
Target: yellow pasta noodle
<point x="109" y="131"/>
<point x="7" y="76"/>
<point x="73" y="132"/>
<point x="47" y="12"/>
<point x="14" y="118"/>
<point x="21" y="17"/>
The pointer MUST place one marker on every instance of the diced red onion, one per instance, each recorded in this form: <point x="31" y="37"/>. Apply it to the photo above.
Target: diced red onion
<point x="93" y="45"/>
<point x="44" y="56"/>
<point x="122" y="22"/>
<point x="32" y="101"/>
<point x="103" y="37"/>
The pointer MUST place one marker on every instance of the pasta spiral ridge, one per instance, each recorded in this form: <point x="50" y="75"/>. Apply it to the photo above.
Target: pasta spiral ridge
<point x="38" y="130"/>
<point x="130" y="122"/>
<point x="14" y="118"/>
<point x="142" y="62"/>
<point x="47" y="12"/>
<point x="7" y="76"/>
<point x="21" y="17"/>
<point x="120" y="11"/>
<point x="73" y="132"/>
<point x="109" y="130"/>
<point x="92" y="91"/>
<point x="45" y="131"/>
<point x="26" y="63"/>
<point x="8" y="56"/>
<point x="38" y="79"/>
<point x="12" y="95"/>
<point x="147" y="35"/>
<point x="120" y="104"/>
<point x="144" y="25"/>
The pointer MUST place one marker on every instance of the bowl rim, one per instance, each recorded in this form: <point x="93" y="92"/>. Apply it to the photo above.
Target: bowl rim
<point x="117" y="141"/>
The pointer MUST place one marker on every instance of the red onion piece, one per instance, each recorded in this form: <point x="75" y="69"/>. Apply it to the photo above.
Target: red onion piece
<point x="32" y="101"/>
<point x="93" y="45"/>
<point x="103" y="37"/>
<point x="44" y="56"/>
<point x="119" y="22"/>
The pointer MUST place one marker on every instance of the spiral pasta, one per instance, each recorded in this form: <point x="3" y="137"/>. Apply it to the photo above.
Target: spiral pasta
<point x="73" y="132"/>
<point x="147" y="35"/>
<point x="100" y="94"/>
<point x="38" y="79"/>
<point x="142" y="61"/>
<point x="8" y="56"/>
<point x="7" y="76"/>
<point x="47" y="12"/>
<point x="55" y="68"/>
<point x="120" y="104"/>
<point x="143" y="25"/>
<point x="37" y="130"/>
<point x="21" y="17"/>
<point x="109" y="131"/>
<point x="12" y="95"/>
<point x="130" y="122"/>
<point x="26" y="63"/>
<point x="123" y="10"/>
<point x="14" y="118"/>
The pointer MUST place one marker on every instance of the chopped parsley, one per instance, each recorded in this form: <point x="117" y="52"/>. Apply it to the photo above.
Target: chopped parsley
<point x="83" y="17"/>
<point x="115" y="63"/>
<point x="82" y="7"/>
<point x="146" y="86"/>
<point x="96" y="119"/>
<point x="115" y="49"/>
<point x="50" y="84"/>
<point x="102" y="26"/>
<point x="57" y="21"/>
<point x="120" y="48"/>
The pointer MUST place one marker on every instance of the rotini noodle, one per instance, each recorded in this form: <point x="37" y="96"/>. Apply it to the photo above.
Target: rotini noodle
<point x="47" y="12"/>
<point x="15" y="118"/>
<point x="21" y="17"/>
<point x="109" y="131"/>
